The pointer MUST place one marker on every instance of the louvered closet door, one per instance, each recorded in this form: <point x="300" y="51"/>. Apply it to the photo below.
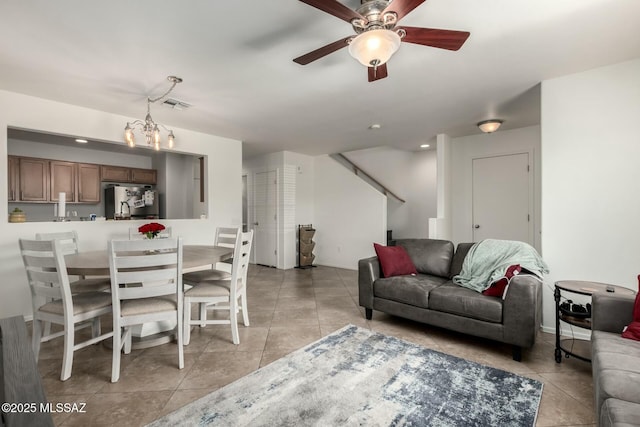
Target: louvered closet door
<point x="266" y="219"/>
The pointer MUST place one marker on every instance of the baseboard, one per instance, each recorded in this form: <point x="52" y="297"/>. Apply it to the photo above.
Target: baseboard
<point x="569" y="332"/>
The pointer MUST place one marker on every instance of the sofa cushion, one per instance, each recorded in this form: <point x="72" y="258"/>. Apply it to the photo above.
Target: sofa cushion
<point x="458" y="258"/>
<point x="615" y="412"/>
<point x="454" y="299"/>
<point x="616" y="367"/>
<point x="412" y="290"/>
<point x="394" y="260"/>
<point x="430" y="256"/>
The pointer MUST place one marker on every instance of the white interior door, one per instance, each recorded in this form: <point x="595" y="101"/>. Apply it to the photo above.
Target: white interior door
<point x="265" y="218"/>
<point x="502" y="198"/>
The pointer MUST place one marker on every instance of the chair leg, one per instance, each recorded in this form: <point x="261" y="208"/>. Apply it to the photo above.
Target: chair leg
<point x="67" y="355"/>
<point x="179" y="330"/>
<point x="233" y="319"/>
<point x="117" y="347"/>
<point x="186" y="323"/>
<point x="96" y="329"/>
<point x="203" y="314"/>
<point x="36" y="337"/>
<point x="127" y="339"/>
<point x="245" y="312"/>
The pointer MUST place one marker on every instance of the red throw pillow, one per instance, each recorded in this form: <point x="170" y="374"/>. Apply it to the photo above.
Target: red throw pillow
<point x="497" y="288"/>
<point x="633" y="330"/>
<point x="394" y="260"/>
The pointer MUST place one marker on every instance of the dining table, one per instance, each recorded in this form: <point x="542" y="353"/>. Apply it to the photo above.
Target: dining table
<point x="194" y="257"/>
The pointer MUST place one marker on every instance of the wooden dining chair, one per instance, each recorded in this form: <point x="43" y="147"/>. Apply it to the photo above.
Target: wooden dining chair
<point x="69" y="245"/>
<point x="220" y="294"/>
<point x="53" y="301"/>
<point x="155" y="266"/>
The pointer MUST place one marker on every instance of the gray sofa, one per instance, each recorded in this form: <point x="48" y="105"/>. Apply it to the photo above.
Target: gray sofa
<point x="431" y="297"/>
<point x="615" y="362"/>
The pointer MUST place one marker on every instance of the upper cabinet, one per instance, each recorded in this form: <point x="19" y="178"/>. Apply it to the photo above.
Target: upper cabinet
<point x="42" y="180"/>
<point x="132" y="175"/>
<point x="13" y="165"/>
<point x="88" y="183"/>
<point x="34" y="179"/>
<point x="62" y="180"/>
<point x="144" y="176"/>
<point x="116" y="174"/>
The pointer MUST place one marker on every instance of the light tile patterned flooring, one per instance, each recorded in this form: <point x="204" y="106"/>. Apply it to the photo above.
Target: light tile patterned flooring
<point x="287" y="309"/>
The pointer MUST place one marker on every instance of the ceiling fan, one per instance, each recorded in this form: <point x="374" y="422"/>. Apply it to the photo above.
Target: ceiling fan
<point x="377" y="35"/>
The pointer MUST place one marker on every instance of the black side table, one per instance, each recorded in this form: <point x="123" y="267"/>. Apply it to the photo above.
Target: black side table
<point x="580" y="349"/>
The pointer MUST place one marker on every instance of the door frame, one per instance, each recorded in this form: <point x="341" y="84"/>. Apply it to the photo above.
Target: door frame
<point x="468" y="220"/>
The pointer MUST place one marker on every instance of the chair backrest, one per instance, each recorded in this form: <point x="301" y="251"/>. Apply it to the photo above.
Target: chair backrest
<point x="226" y="237"/>
<point x="46" y="272"/>
<point x="154" y="263"/>
<point x="68" y="240"/>
<point x="134" y="234"/>
<point x="240" y="265"/>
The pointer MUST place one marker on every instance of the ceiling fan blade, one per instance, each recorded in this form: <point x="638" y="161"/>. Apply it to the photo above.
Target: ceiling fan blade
<point x="402" y="7"/>
<point x="323" y="51"/>
<point x="443" y="39"/>
<point x="334" y="8"/>
<point x="377" y="73"/>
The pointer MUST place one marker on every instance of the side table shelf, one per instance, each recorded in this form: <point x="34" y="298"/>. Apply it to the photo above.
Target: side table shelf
<point x="580" y="349"/>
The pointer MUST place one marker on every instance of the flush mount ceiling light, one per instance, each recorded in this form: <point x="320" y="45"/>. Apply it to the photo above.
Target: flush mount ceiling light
<point x="490" y="126"/>
<point x="424" y="146"/>
<point x="375" y="126"/>
<point x="81" y="141"/>
<point x="149" y="128"/>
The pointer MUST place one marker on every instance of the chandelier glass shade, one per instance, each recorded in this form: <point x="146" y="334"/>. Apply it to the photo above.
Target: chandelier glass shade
<point x="148" y="127"/>
<point x="374" y="47"/>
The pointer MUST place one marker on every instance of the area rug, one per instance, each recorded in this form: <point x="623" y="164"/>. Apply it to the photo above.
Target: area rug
<point x="361" y="378"/>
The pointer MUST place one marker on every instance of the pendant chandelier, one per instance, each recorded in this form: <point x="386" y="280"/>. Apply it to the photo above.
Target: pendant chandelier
<point x="149" y="128"/>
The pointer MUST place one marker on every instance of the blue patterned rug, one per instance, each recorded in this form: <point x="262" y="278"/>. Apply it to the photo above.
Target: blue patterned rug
<point x="358" y="377"/>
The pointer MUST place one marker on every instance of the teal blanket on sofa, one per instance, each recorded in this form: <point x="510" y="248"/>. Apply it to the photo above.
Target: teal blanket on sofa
<point x="489" y="259"/>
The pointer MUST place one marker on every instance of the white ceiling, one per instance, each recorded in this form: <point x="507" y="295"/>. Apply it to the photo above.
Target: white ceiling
<point x="236" y="61"/>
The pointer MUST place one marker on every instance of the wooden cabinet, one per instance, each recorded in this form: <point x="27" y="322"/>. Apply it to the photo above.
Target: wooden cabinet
<point x="143" y="176"/>
<point x="13" y="166"/>
<point x="34" y="180"/>
<point x="62" y="180"/>
<point x="115" y="174"/>
<point x="88" y="183"/>
<point x="132" y="175"/>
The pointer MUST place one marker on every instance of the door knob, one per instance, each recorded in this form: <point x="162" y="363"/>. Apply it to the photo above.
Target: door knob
<point x="476" y="226"/>
<point x="256" y="223"/>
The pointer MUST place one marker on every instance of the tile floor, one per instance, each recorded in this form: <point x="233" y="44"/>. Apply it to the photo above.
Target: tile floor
<point x="288" y="309"/>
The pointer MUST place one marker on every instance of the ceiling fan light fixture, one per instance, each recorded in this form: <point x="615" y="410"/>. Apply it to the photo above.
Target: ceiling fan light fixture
<point x="374" y="47"/>
<point x="490" y="126"/>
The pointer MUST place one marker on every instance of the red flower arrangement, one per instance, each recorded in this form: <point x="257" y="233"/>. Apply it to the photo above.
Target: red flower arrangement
<point x="151" y="230"/>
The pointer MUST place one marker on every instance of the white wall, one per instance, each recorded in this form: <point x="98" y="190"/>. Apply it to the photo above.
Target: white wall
<point x="465" y="149"/>
<point x="410" y="175"/>
<point x="590" y="175"/>
<point x="223" y="179"/>
<point x="350" y="215"/>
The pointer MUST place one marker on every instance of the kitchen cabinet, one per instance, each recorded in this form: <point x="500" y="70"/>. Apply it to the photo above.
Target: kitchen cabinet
<point x="115" y="174"/>
<point x="62" y="180"/>
<point x="13" y="165"/>
<point x="88" y="183"/>
<point x="143" y="176"/>
<point x="34" y="180"/>
<point x="132" y="175"/>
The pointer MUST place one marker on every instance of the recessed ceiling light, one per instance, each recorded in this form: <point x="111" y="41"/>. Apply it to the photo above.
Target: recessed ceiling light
<point x="81" y="141"/>
<point x="424" y="146"/>
<point x="375" y="126"/>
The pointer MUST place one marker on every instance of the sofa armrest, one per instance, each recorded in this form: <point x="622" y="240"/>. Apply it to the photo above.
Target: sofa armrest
<point x="610" y="312"/>
<point x="522" y="310"/>
<point x="368" y="272"/>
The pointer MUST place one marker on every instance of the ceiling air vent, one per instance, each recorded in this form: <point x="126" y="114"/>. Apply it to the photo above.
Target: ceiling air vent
<point x="174" y="103"/>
